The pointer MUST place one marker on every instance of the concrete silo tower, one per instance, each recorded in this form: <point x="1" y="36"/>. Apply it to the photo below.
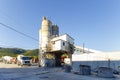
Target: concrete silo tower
<point x="45" y="35"/>
<point x="55" y="31"/>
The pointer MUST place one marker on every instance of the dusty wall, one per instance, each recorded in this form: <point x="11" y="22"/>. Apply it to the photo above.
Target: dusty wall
<point x="95" y="60"/>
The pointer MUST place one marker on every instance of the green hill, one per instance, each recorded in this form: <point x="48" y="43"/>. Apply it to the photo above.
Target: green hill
<point x="16" y="51"/>
<point x="32" y="52"/>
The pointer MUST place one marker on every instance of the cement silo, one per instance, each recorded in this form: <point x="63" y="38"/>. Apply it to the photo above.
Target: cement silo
<point x="55" y="31"/>
<point x="45" y="35"/>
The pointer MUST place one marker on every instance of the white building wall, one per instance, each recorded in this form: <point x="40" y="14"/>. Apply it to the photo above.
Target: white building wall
<point x="65" y="47"/>
<point x="58" y="45"/>
<point x="64" y="37"/>
<point x="67" y="38"/>
<point x="62" y="43"/>
<point x="95" y="60"/>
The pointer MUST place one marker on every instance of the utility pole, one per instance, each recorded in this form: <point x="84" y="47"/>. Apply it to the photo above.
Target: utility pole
<point x="83" y="47"/>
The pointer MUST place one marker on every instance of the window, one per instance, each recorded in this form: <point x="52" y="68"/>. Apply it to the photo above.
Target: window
<point x="63" y="43"/>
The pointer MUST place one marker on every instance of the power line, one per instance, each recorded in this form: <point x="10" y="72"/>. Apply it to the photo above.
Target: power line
<point x="18" y="31"/>
<point x="5" y="14"/>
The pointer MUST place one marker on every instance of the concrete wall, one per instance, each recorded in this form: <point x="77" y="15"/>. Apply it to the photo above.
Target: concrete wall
<point x="95" y="60"/>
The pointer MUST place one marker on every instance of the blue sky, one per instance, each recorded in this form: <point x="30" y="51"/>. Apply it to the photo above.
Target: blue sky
<point x="96" y="23"/>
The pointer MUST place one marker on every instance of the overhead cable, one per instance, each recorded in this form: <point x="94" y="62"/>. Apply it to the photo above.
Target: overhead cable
<point x="18" y="31"/>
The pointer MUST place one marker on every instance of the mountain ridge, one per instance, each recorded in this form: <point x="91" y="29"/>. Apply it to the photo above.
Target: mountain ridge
<point x="16" y="51"/>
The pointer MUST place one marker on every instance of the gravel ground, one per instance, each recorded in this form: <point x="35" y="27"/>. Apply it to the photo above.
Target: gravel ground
<point x="14" y="72"/>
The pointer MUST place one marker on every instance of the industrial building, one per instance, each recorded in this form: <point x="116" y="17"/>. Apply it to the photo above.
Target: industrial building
<point x="52" y="45"/>
<point x="96" y="60"/>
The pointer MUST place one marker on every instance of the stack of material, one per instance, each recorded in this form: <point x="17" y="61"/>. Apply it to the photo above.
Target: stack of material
<point x="105" y="72"/>
<point x="85" y="69"/>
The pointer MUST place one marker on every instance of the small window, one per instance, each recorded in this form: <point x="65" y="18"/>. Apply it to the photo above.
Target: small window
<point x="63" y="43"/>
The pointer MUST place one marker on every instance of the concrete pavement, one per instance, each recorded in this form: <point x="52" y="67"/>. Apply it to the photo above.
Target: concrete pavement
<point x="13" y="72"/>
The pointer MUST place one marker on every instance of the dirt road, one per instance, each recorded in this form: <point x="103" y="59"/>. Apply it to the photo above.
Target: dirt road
<point x="2" y="65"/>
<point x="13" y="72"/>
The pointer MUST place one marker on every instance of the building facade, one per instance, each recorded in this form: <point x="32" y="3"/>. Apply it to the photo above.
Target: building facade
<point x="96" y="60"/>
